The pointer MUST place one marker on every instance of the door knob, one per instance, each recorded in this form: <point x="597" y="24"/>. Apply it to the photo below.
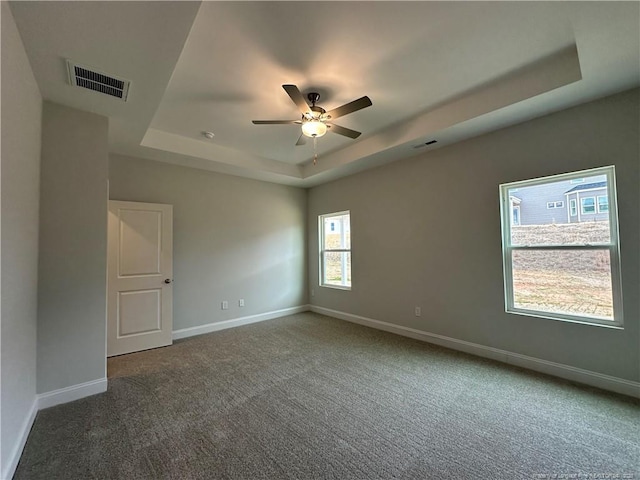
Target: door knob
<point x="167" y="280"/>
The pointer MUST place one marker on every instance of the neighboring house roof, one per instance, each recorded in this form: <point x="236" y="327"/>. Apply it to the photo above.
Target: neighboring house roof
<point x="587" y="186"/>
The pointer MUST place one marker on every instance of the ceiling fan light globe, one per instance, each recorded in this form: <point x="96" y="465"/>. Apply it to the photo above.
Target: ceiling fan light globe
<point x="314" y="128"/>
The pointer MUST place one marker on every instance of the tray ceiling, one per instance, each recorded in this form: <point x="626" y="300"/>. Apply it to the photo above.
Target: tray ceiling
<point x="441" y="71"/>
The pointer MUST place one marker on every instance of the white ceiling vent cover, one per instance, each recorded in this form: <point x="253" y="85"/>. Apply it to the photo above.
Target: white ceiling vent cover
<point x="89" y="78"/>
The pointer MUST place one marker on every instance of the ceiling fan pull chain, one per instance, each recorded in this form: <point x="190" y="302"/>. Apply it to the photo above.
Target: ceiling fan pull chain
<point x="315" y="150"/>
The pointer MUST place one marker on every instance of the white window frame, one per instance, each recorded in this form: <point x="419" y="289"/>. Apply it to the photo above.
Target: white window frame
<point x="612" y="247"/>
<point x="573" y="207"/>
<point x="324" y="250"/>
<point x="598" y="203"/>
<point x="551" y="205"/>
<point x="559" y="204"/>
<point x="582" y="210"/>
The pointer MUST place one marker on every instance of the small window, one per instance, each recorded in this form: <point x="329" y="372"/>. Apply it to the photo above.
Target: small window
<point x="603" y="204"/>
<point x="559" y="205"/>
<point x="335" y="250"/>
<point x="577" y="180"/>
<point x="515" y="218"/>
<point x="551" y="205"/>
<point x="587" y="205"/>
<point x="564" y="268"/>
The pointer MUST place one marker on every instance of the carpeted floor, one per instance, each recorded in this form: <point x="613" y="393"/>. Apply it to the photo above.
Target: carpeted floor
<point x="310" y="397"/>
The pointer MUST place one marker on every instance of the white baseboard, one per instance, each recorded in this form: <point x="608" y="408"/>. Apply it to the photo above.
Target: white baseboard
<point x="69" y="394"/>
<point x="46" y="400"/>
<point x="14" y="457"/>
<point x="606" y="382"/>
<point x="236" y="322"/>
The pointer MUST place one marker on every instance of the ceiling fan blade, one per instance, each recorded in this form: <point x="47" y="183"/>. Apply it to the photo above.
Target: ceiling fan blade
<point x="297" y="98"/>
<point x="302" y="140"/>
<point x="350" y="107"/>
<point x="347" y="132"/>
<point x="274" y="122"/>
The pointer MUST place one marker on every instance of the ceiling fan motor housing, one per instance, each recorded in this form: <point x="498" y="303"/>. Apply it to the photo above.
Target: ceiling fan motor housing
<point x="316" y="112"/>
<point x="313" y="97"/>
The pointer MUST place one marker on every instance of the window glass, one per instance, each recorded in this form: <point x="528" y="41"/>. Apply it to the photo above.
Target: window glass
<point x="571" y="282"/>
<point x="335" y="250"/>
<point x="540" y="226"/>
<point x="588" y="205"/>
<point x="603" y="204"/>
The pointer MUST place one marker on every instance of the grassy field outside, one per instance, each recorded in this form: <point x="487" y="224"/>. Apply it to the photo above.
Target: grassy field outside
<point x="560" y="281"/>
<point x="333" y="260"/>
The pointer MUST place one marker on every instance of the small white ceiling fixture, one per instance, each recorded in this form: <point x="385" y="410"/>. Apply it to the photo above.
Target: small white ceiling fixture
<point x="208" y="135"/>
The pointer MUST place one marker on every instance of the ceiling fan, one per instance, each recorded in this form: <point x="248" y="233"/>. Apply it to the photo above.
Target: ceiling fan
<point x="316" y="120"/>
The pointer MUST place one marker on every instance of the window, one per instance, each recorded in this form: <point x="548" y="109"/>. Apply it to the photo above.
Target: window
<point x="555" y="204"/>
<point x="559" y="204"/>
<point x="335" y="250"/>
<point x="603" y="204"/>
<point x="564" y="269"/>
<point x="587" y="205"/>
<point x="577" y="180"/>
<point x="515" y="218"/>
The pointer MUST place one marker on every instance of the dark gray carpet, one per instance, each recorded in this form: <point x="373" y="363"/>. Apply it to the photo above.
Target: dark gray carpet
<point x="307" y="396"/>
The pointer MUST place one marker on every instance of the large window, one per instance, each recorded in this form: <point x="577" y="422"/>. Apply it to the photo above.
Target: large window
<point x="335" y="250"/>
<point x="566" y="268"/>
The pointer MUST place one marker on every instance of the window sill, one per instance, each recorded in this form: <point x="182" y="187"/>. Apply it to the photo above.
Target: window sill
<point x="335" y="287"/>
<point x="595" y="322"/>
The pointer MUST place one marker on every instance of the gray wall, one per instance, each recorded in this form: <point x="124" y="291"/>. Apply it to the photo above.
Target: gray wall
<point x="232" y="238"/>
<point x="21" y="121"/>
<point x="73" y="242"/>
<point x="426" y="232"/>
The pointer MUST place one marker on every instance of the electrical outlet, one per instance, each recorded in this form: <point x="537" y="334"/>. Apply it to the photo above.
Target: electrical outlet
<point x="241" y="302"/>
<point x="225" y="305"/>
<point x="418" y="311"/>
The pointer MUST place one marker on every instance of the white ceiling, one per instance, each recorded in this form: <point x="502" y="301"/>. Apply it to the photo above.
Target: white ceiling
<point x="433" y="70"/>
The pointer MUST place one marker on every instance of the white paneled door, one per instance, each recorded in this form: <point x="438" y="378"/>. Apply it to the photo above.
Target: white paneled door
<point x="140" y="277"/>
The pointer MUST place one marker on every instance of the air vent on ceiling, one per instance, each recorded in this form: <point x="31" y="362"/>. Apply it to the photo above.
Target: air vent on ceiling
<point x="422" y="145"/>
<point x="87" y="77"/>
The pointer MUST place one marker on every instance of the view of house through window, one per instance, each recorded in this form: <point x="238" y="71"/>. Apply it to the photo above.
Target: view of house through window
<point x="563" y="262"/>
<point x="335" y="250"/>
